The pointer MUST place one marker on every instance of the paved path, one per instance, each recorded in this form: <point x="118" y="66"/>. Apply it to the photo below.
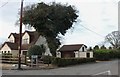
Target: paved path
<point x="100" y="68"/>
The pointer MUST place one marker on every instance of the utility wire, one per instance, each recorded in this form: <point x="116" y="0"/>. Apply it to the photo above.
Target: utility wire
<point x="3" y="4"/>
<point x="93" y="31"/>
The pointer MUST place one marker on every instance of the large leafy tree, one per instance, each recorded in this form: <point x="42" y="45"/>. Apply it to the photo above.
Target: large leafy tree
<point x="114" y="39"/>
<point x="50" y="20"/>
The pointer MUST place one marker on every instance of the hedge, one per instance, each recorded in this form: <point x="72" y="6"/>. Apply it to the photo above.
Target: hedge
<point x="61" y="62"/>
<point x="47" y="59"/>
<point x="106" y="54"/>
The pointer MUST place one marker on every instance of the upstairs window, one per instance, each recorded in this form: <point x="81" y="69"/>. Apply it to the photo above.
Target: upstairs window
<point x="25" y="41"/>
<point x="83" y="49"/>
<point x="11" y="41"/>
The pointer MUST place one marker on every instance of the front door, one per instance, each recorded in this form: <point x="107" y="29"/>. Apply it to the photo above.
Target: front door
<point x="88" y="55"/>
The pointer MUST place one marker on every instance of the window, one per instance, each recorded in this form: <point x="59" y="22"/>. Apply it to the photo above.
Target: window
<point x="4" y="51"/>
<point x="12" y="41"/>
<point x="88" y="55"/>
<point x="25" y="41"/>
<point x="24" y="52"/>
<point x="83" y="49"/>
<point x="8" y="51"/>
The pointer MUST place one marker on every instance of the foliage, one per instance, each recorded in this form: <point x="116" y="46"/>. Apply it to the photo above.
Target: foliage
<point x="42" y="48"/>
<point x="90" y="49"/>
<point x="61" y="62"/>
<point x="96" y="47"/>
<point x="102" y="54"/>
<point x="50" y="20"/>
<point x="35" y="50"/>
<point x="47" y="59"/>
<point x="110" y="48"/>
<point x="114" y="39"/>
<point x="106" y="54"/>
<point x="103" y="47"/>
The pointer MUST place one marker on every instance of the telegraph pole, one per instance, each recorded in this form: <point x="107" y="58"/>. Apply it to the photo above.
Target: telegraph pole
<point x="20" y="37"/>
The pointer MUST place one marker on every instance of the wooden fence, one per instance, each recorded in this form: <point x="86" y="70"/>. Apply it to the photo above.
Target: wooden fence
<point x="13" y="59"/>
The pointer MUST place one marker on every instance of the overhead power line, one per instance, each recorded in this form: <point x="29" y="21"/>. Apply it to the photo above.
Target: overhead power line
<point x="93" y="31"/>
<point x="3" y="4"/>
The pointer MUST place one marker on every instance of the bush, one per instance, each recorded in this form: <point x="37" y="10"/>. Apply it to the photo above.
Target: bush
<point x="102" y="54"/>
<point x="61" y="62"/>
<point x="106" y="54"/>
<point x="36" y="50"/>
<point x="117" y="54"/>
<point x="47" y="59"/>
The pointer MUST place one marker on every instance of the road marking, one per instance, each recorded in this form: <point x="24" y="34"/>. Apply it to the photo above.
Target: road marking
<point x="63" y="68"/>
<point x="104" y="73"/>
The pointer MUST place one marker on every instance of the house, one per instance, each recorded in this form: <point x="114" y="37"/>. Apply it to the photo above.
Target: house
<point x="74" y="51"/>
<point x="29" y="38"/>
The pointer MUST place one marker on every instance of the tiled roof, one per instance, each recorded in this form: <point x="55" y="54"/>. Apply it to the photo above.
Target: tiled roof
<point x="74" y="47"/>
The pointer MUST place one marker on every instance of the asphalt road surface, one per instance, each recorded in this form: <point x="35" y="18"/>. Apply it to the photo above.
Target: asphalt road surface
<point x="99" y="68"/>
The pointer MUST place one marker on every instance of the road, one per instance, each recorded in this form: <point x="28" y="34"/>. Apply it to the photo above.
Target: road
<point x="99" y="68"/>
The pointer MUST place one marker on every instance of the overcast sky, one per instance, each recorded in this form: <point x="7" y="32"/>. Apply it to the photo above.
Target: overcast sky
<point x="96" y="19"/>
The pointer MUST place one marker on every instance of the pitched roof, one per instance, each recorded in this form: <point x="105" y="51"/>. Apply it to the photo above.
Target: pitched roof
<point x="25" y="46"/>
<point x="13" y="46"/>
<point x="74" y="47"/>
<point x="15" y="35"/>
<point x="34" y="35"/>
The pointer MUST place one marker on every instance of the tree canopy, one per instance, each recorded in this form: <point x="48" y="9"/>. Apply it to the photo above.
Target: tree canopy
<point x="103" y="47"/>
<point x="36" y="50"/>
<point x="114" y="39"/>
<point x="50" y="20"/>
<point x="96" y="47"/>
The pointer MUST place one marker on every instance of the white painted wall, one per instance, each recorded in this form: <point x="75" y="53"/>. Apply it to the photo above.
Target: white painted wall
<point x="82" y="55"/>
<point x="25" y="36"/>
<point x="84" y="48"/>
<point x="5" y="48"/>
<point x="76" y="54"/>
<point x="58" y="54"/>
<point x="42" y="40"/>
<point x="15" y="52"/>
<point x="91" y="54"/>
<point x="11" y="39"/>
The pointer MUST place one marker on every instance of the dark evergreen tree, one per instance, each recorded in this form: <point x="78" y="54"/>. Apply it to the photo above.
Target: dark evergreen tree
<point x="50" y="20"/>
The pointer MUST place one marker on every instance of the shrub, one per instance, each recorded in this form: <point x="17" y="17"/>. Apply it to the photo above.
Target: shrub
<point x="102" y="54"/>
<point x="61" y="62"/>
<point x="36" y="50"/>
<point x="47" y="59"/>
<point x="106" y="54"/>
